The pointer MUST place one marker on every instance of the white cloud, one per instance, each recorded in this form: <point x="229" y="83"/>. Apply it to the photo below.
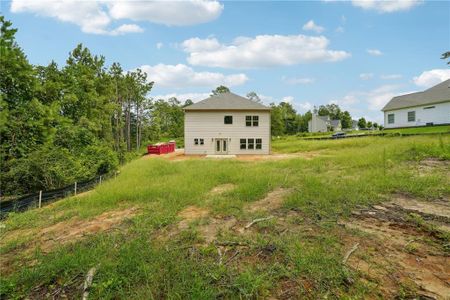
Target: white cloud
<point x="159" y="45"/>
<point x="391" y="76"/>
<point x="126" y="28"/>
<point x="96" y="17"/>
<point x="195" y="97"/>
<point x="261" y="51"/>
<point x="386" y="6"/>
<point x="178" y="76"/>
<point x="374" y="52"/>
<point x="366" y="76"/>
<point x="287" y="99"/>
<point x="311" y="26"/>
<point x="177" y="13"/>
<point x="432" y="77"/>
<point x="305" y="106"/>
<point x="298" y="80"/>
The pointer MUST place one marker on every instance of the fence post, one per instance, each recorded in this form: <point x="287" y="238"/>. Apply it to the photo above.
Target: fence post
<point x="75" y="188"/>
<point x="40" y="198"/>
<point x="100" y="179"/>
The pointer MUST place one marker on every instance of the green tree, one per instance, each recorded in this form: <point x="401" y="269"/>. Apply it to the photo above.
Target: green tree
<point x="362" y="123"/>
<point x="446" y="55"/>
<point x="369" y="124"/>
<point x="220" y="90"/>
<point x="346" y="120"/>
<point x="254" y="97"/>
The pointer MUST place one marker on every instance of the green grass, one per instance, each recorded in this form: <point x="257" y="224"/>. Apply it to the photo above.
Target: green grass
<point x="133" y="264"/>
<point x="418" y="130"/>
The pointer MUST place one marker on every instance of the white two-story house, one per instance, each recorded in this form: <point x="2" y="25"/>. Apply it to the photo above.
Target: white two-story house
<point x="227" y="124"/>
<point x="430" y="107"/>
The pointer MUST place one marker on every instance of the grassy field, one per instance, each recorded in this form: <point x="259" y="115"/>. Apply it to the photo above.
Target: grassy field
<point x="417" y="130"/>
<point x="158" y="231"/>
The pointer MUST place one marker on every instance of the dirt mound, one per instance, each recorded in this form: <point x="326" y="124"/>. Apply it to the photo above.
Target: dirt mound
<point x="210" y="227"/>
<point x="400" y="251"/>
<point x="272" y="201"/>
<point x="72" y="230"/>
<point x="220" y="189"/>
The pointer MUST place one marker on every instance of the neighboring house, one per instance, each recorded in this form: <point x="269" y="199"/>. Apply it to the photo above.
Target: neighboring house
<point x="323" y="124"/>
<point x="430" y="107"/>
<point x="355" y="125"/>
<point x="227" y="124"/>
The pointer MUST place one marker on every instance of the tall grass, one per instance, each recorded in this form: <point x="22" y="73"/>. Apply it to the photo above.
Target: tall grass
<point x="347" y="173"/>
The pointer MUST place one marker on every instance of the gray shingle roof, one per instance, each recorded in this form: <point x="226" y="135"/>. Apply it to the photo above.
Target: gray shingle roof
<point x="335" y="123"/>
<point x="435" y="94"/>
<point x="226" y="101"/>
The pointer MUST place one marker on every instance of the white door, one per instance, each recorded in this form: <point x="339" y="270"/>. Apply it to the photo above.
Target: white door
<point x="221" y="146"/>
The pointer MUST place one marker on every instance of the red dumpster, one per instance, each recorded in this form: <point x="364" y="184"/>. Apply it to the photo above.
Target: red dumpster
<point x="172" y="145"/>
<point x="155" y="149"/>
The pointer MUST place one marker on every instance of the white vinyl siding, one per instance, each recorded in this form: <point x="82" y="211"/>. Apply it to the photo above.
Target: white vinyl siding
<point x="209" y="125"/>
<point x="438" y="113"/>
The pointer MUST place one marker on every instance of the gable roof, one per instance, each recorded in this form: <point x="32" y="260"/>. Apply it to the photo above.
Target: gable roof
<point x="226" y="101"/>
<point x="335" y="123"/>
<point x="435" y="94"/>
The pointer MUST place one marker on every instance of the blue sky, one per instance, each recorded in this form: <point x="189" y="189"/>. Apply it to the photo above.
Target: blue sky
<point x="357" y="54"/>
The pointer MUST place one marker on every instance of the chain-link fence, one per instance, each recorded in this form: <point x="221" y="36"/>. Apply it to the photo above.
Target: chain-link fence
<point x="41" y="198"/>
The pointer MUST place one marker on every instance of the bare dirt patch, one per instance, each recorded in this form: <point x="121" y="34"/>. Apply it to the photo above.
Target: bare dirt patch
<point x="397" y="253"/>
<point x="272" y="201"/>
<point x="430" y="165"/>
<point x="210" y="227"/>
<point x="220" y="189"/>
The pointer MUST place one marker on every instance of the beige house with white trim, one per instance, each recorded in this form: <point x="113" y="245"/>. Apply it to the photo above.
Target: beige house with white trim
<point x="227" y="124"/>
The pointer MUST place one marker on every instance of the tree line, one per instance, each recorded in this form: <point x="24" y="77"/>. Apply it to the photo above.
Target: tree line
<point x="59" y="124"/>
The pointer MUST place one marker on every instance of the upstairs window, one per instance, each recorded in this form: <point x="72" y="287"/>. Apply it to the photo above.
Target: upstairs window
<point x="228" y="120"/>
<point x="255" y="121"/>
<point x="391" y="118"/>
<point x="411" y="116"/>
<point x="248" y="120"/>
<point x="252" y="121"/>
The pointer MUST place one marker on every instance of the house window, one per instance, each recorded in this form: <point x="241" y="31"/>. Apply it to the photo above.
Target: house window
<point x="255" y="120"/>
<point x="411" y="116"/>
<point x="243" y="143"/>
<point x="429" y="107"/>
<point x="228" y="119"/>
<point x="251" y="144"/>
<point x="251" y="121"/>
<point x="199" y="142"/>
<point x="258" y="144"/>
<point x="391" y="118"/>
<point x="248" y="120"/>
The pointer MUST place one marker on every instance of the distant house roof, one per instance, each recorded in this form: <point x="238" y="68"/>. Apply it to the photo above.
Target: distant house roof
<point x="324" y="118"/>
<point x="335" y="123"/>
<point x="435" y="94"/>
<point x="226" y="101"/>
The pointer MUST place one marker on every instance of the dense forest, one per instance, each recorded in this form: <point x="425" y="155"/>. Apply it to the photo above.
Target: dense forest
<point x="59" y="124"/>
